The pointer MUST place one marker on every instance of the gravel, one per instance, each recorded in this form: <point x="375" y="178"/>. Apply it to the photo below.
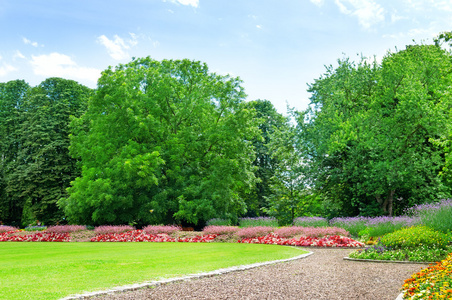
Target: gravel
<point x="323" y="275"/>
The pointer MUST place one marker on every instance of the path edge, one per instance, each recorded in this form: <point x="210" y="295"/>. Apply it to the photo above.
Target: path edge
<point x="137" y="286"/>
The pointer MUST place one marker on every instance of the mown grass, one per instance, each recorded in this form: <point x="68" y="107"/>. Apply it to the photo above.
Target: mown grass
<point x="55" y="270"/>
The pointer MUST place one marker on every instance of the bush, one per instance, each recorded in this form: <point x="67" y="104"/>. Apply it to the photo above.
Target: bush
<point x="416" y="236"/>
<point x="4" y="228"/>
<point x="113" y="229"/>
<point x="353" y="224"/>
<point x="311" y="222"/>
<point x="380" y="226"/>
<point x="435" y="215"/>
<point x="258" y="221"/>
<point x="66" y="228"/>
<point x="288" y="232"/>
<point x="36" y="228"/>
<point x="250" y="232"/>
<point x="218" y="222"/>
<point x="156" y="229"/>
<point x="212" y="229"/>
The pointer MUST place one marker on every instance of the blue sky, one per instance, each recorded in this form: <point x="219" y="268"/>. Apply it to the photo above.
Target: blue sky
<point x="275" y="47"/>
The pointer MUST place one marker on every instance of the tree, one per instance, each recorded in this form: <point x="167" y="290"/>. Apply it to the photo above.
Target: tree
<point x="12" y="97"/>
<point x="265" y="163"/>
<point x="43" y="168"/>
<point x="368" y="135"/>
<point x="162" y="142"/>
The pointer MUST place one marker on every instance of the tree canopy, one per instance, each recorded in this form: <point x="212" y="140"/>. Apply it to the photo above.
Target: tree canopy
<point x="369" y="133"/>
<point x="36" y="167"/>
<point x="162" y="142"/>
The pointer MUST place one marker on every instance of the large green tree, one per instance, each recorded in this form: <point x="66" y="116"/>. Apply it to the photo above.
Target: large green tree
<point x="12" y="97"/>
<point x="162" y="142"/>
<point x="42" y="168"/>
<point x="369" y="132"/>
<point x="269" y="121"/>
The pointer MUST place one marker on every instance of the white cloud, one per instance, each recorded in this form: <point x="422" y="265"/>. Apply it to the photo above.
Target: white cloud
<point x="60" y="65"/>
<point x="259" y="26"/>
<point x="193" y="3"/>
<point x="117" y="48"/>
<point x="5" y="69"/>
<point x="368" y="12"/>
<point x="28" y="42"/>
<point x="18" y="54"/>
<point x="319" y="3"/>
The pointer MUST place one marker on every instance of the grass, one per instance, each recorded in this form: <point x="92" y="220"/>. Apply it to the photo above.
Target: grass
<point x="56" y="270"/>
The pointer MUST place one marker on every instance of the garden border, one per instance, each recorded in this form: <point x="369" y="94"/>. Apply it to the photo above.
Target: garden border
<point x="389" y="261"/>
<point x="137" y="286"/>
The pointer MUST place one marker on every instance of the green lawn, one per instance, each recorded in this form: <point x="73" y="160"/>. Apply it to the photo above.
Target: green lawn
<point x="55" y="270"/>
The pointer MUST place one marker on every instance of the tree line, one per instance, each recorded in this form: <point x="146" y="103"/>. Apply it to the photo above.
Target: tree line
<point x="169" y="142"/>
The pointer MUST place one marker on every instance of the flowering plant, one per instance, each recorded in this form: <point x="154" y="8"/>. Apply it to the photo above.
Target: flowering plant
<point x="156" y="229"/>
<point x="434" y="282"/>
<point x="304" y="241"/>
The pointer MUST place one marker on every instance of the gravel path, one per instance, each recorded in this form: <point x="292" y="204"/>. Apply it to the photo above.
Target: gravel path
<point x="323" y="275"/>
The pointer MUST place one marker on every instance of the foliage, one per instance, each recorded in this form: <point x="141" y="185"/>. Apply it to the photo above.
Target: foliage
<point x="251" y="232"/>
<point x="269" y="121"/>
<point x="35" y="228"/>
<point x="258" y="221"/>
<point x="5" y="228"/>
<point x="419" y="254"/>
<point x="37" y="174"/>
<point x="414" y="237"/>
<point x="156" y="229"/>
<point x="162" y="142"/>
<point x="65" y="228"/>
<point x="354" y="225"/>
<point x="288" y="197"/>
<point x="64" y="265"/>
<point x="368" y="136"/>
<point x="213" y="229"/>
<point x="435" y="215"/>
<point x="218" y="222"/>
<point x="434" y="282"/>
<point x="12" y="97"/>
<point x="106" y="229"/>
<point x="311" y="222"/>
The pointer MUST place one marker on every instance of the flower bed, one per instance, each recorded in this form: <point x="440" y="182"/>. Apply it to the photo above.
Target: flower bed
<point x="434" y="282"/>
<point x="35" y="237"/>
<point x="142" y="236"/>
<point x="305" y="241"/>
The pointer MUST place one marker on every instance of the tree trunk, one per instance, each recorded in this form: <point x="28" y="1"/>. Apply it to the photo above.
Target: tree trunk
<point x="390" y="202"/>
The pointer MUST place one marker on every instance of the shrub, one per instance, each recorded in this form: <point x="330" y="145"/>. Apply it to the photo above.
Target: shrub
<point x="250" y="232"/>
<point x="156" y="229"/>
<point x="212" y="229"/>
<point x="310" y="231"/>
<point x="380" y="226"/>
<point x="353" y="224"/>
<point x="4" y="228"/>
<point x="311" y="222"/>
<point x="113" y="229"/>
<point x="435" y="215"/>
<point x="258" y="221"/>
<point x="66" y="228"/>
<point x="218" y="222"/>
<point x="36" y="228"/>
<point x="416" y="236"/>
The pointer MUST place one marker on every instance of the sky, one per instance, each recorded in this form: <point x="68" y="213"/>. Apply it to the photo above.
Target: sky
<point x="276" y="47"/>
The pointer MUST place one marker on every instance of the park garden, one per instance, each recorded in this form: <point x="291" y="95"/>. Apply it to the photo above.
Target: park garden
<point x="163" y="146"/>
